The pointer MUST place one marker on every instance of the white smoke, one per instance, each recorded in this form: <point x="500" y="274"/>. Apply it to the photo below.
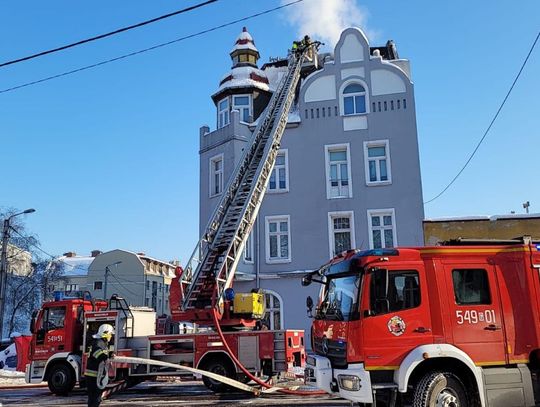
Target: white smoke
<point x="324" y="20"/>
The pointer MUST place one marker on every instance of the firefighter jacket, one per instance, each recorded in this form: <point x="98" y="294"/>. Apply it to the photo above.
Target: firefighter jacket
<point x="99" y="353"/>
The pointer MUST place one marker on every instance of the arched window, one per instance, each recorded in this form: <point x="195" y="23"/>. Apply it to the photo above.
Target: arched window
<point x="354" y="99"/>
<point x="273" y="318"/>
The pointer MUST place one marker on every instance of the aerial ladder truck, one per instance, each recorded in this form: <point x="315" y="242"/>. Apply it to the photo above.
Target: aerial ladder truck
<point x="201" y="292"/>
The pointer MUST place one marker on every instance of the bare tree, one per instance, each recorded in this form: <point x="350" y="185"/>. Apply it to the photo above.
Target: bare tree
<point x="27" y="286"/>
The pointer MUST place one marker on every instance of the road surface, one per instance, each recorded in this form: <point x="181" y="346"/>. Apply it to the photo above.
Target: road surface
<point x="163" y="394"/>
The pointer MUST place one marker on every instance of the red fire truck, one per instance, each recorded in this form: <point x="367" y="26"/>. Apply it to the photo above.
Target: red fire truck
<point x="63" y="329"/>
<point x="452" y="325"/>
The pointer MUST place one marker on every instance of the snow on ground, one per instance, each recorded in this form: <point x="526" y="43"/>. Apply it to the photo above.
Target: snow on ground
<point x="11" y="378"/>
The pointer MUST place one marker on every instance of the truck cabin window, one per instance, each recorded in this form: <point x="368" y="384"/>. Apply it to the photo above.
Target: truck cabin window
<point x="392" y="291"/>
<point x="54" y="318"/>
<point x="340" y="301"/>
<point x="471" y="286"/>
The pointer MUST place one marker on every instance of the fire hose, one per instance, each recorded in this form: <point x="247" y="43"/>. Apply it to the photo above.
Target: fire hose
<point x="266" y="388"/>
<point x="264" y="385"/>
<point x="215" y="376"/>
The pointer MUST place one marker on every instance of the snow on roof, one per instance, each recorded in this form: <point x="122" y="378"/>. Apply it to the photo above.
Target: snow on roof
<point x="244" y="35"/>
<point x="485" y="217"/>
<point x="247" y="45"/>
<point x="244" y="41"/>
<point x="241" y="78"/>
<point x="74" y="266"/>
<point x="274" y="75"/>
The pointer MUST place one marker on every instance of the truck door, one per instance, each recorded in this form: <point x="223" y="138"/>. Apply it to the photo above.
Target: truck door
<point x="475" y="311"/>
<point x="396" y="316"/>
<point x="50" y="331"/>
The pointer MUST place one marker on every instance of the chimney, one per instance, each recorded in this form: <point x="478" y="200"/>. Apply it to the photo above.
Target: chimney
<point x="96" y="253"/>
<point x="70" y="254"/>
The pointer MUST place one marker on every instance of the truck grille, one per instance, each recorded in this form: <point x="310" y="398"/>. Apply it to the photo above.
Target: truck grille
<point x="336" y="351"/>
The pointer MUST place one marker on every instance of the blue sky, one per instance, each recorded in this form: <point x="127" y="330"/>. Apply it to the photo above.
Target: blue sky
<point x="109" y="156"/>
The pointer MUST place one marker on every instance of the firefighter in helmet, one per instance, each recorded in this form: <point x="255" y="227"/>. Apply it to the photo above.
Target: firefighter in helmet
<point x="96" y="364"/>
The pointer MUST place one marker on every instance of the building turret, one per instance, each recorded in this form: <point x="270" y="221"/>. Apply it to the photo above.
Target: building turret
<point x="245" y="88"/>
<point x="244" y="51"/>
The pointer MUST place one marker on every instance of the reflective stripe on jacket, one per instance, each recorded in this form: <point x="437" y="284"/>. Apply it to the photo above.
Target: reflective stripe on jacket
<point x="99" y="352"/>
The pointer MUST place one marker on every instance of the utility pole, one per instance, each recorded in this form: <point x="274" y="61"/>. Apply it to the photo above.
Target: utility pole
<point x="3" y="273"/>
<point x="107" y="271"/>
<point x="526" y="206"/>
<point x="105" y="283"/>
<point x="4" y="265"/>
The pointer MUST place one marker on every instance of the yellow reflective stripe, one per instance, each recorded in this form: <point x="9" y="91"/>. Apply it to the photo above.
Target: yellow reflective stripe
<point x="97" y="353"/>
<point x="91" y="373"/>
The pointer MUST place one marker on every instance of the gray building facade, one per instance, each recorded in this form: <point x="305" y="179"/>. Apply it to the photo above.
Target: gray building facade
<point x="347" y="176"/>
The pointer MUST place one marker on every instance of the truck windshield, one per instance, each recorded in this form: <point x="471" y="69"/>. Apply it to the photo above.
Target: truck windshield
<point x="340" y="300"/>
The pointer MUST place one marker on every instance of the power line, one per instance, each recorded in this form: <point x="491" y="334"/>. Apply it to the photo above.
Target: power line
<point x="84" y="68"/>
<point x="111" y="33"/>
<point x="55" y="258"/>
<point x="490" y="124"/>
<point x="123" y="285"/>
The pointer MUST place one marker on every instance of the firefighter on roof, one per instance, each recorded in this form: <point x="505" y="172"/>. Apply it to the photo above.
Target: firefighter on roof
<point x="96" y="365"/>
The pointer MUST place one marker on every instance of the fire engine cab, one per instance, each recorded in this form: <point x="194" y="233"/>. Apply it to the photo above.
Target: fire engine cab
<point x="452" y="325"/>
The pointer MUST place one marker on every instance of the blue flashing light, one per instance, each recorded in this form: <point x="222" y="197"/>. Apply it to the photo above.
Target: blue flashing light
<point x="58" y="295"/>
<point x="229" y="294"/>
<point x="70" y="295"/>
<point x="378" y="252"/>
<point x="538" y="247"/>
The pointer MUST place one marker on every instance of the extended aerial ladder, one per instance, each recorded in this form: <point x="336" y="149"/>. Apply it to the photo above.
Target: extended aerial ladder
<point x="211" y="268"/>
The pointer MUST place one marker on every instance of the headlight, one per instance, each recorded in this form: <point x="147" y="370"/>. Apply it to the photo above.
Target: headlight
<point x="348" y="382"/>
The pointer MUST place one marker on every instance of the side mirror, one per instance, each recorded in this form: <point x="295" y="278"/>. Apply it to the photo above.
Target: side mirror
<point x="33" y="322"/>
<point x="306" y="280"/>
<point x="309" y="305"/>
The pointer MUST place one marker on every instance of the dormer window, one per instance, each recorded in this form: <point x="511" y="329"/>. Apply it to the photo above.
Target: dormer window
<point x="223" y="113"/>
<point x="354" y="99"/>
<point x="242" y="103"/>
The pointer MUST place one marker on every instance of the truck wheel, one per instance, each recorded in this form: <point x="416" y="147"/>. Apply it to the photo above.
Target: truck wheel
<point x="440" y="389"/>
<point x="221" y="367"/>
<point x="61" y="379"/>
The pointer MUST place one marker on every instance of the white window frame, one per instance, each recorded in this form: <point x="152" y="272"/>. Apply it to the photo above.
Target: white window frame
<point x="279" y="190"/>
<point x="249" y="248"/>
<point x="331" y="231"/>
<point x="271" y="310"/>
<point x="381" y="212"/>
<point x="277" y="218"/>
<point x="337" y="147"/>
<point x="342" y="96"/>
<point x="241" y="108"/>
<point x="212" y="174"/>
<point x="378" y="143"/>
<point x="223" y="115"/>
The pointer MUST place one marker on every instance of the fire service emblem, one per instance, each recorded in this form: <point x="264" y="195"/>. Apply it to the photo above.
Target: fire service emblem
<point x="396" y="326"/>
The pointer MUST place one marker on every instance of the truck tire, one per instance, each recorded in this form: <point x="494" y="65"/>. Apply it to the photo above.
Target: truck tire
<point x="440" y="389"/>
<point x="61" y="379"/>
<point x="220" y="366"/>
